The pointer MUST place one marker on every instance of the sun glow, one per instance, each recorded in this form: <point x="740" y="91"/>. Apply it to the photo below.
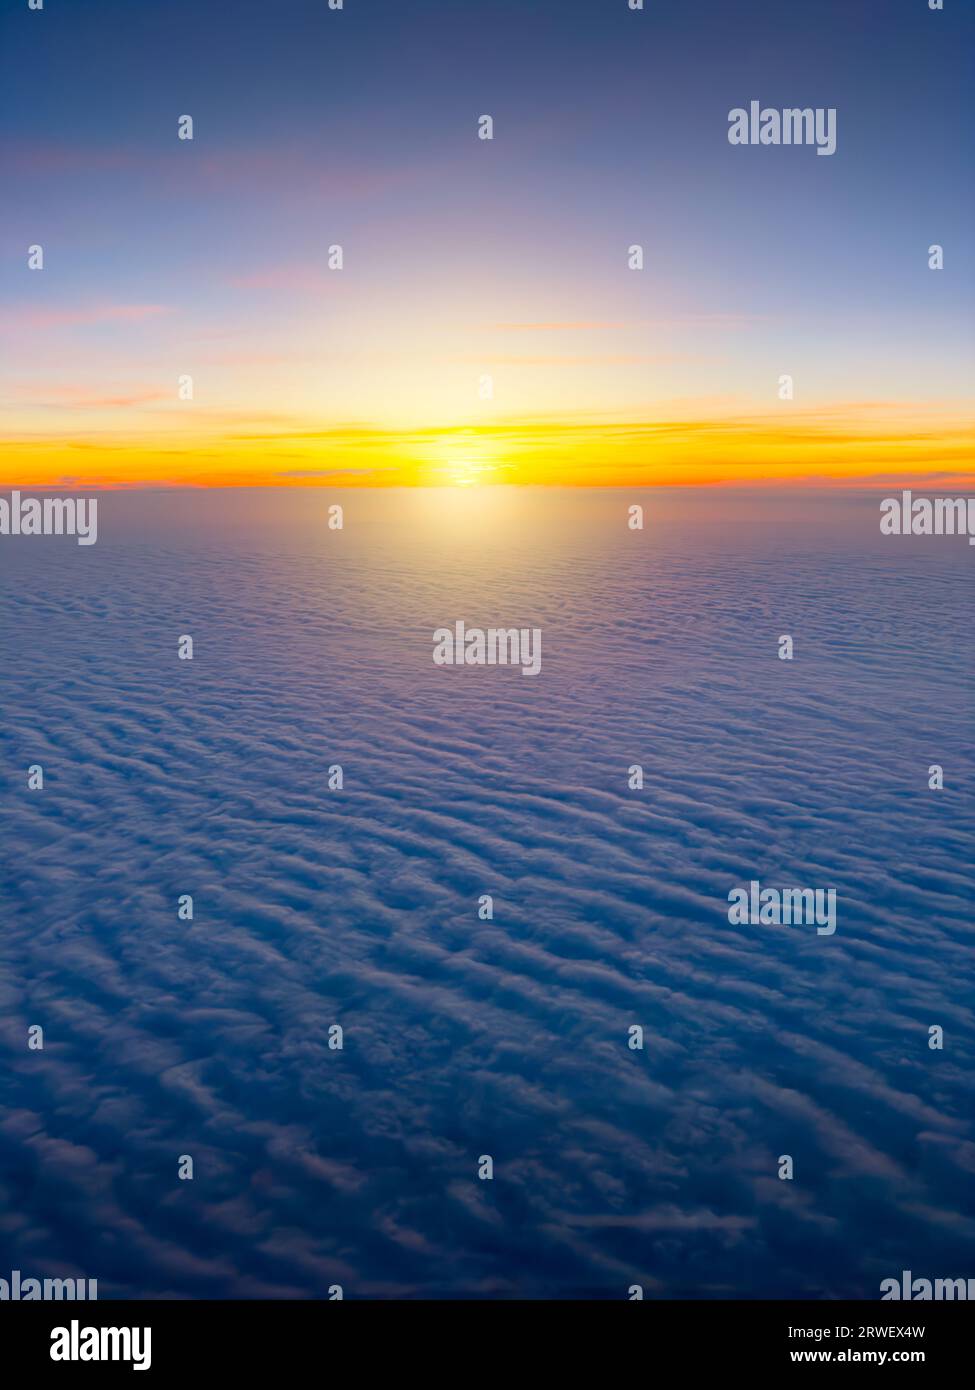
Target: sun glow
<point x="464" y="474"/>
<point x="461" y="458"/>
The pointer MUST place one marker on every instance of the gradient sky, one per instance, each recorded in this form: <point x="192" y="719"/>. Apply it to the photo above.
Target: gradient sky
<point x="465" y="257"/>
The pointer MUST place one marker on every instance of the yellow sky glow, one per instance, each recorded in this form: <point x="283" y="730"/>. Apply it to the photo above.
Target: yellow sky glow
<point x="864" y="443"/>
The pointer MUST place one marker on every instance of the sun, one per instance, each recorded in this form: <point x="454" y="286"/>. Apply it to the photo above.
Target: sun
<point x="464" y="474"/>
<point x="460" y="458"/>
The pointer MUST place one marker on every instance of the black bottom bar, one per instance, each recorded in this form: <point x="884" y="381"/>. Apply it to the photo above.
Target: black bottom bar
<point x="464" y="1341"/>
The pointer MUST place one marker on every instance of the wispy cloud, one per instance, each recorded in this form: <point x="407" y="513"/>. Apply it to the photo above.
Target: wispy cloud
<point x="689" y="320"/>
<point x="288" y="277"/>
<point x="60" y="397"/>
<point x="27" y="317"/>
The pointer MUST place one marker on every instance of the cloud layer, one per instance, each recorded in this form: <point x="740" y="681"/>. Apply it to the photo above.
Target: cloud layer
<point x="359" y="907"/>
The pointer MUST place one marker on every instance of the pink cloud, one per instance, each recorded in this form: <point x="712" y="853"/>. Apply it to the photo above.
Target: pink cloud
<point x="287" y="277"/>
<point x="84" y="398"/>
<point x="240" y="168"/>
<point x="25" y="317"/>
<point x="39" y="158"/>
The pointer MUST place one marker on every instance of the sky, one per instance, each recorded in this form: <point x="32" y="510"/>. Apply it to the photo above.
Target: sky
<point x="467" y="259"/>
